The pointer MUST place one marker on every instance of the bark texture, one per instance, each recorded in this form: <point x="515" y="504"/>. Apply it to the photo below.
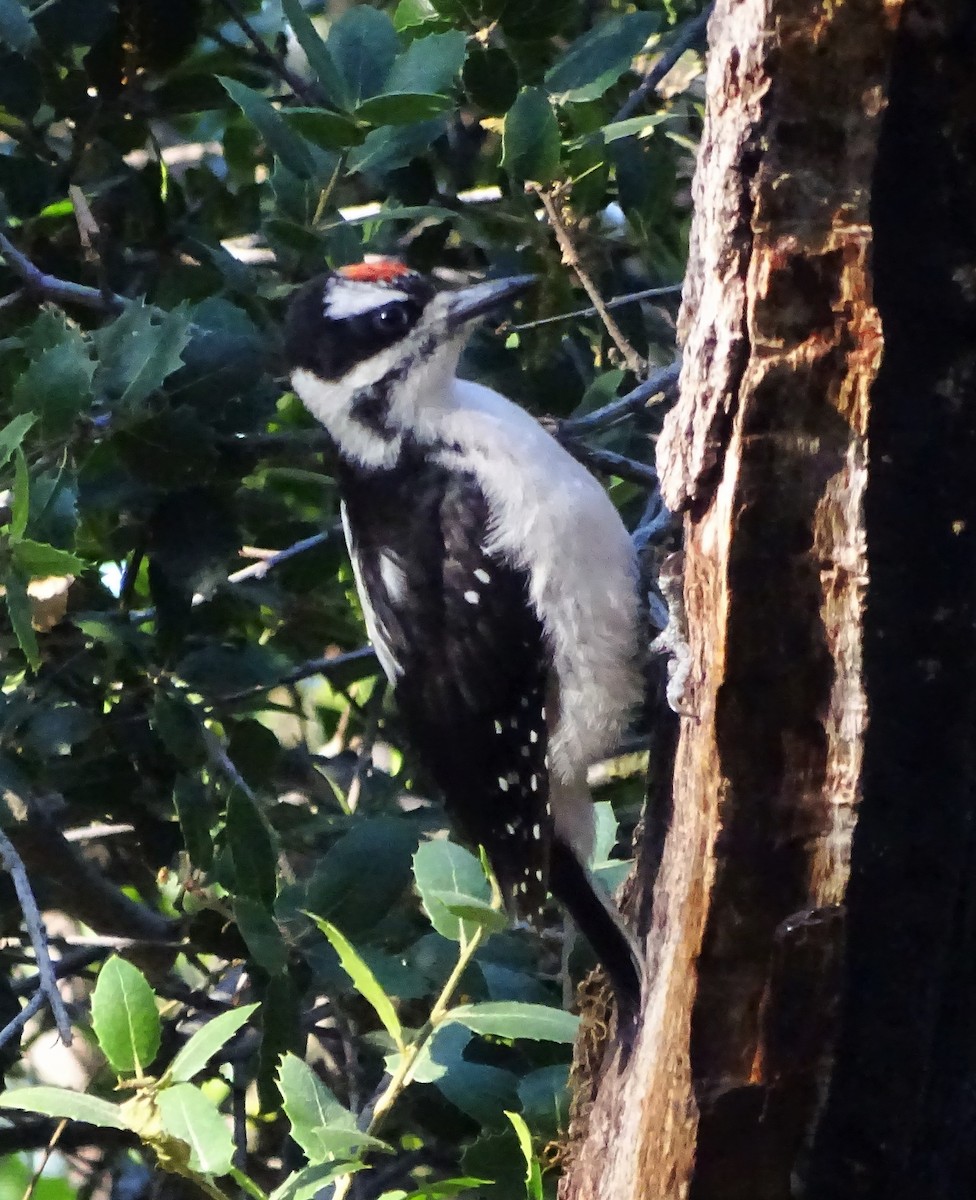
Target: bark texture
<point x="766" y="454"/>
<point x="901" y="1113"/>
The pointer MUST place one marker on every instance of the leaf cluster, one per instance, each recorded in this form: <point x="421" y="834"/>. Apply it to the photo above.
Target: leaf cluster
<point x="199" y="764"/>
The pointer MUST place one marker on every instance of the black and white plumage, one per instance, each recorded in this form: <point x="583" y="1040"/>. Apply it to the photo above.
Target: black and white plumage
<point x="497" y="580"/>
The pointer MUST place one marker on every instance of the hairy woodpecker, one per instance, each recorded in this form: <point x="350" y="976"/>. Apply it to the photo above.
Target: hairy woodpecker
<point x="497" y="579"/>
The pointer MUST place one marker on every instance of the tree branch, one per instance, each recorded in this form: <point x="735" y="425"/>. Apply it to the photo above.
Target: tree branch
<point x="661" y="384"/>
<point x="551" y="203"/>
<point x="302" y="90"/>
<point x="685" y="37"/>
<point x="48" y="287"/>
<point x="671" y="289"/>
<point x="47" y="988"/>
<point x="326" y="667"/>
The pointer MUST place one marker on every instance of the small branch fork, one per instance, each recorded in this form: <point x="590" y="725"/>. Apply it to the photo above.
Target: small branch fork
<point x="48" y="287"/>
<point x="47" y="988"/>
<point x="552" y="203"/>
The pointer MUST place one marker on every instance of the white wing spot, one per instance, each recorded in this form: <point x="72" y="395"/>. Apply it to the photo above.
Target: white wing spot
<point x="542" y="712"/>
<point x="482" y="575"/>
<point x="534" y="783"/>
<point x="498" y="726"/>
<point x="538" y="876"/>
<point x="523" y="887"/>
<point x="533" y="736"/>
<point x="537" y="831"/>
<point x="510" y="828"/>
<point x="472" y="597"/>
<point x="503" y="783"/>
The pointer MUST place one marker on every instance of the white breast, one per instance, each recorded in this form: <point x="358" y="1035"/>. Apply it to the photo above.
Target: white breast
<point x="551" y="517"/>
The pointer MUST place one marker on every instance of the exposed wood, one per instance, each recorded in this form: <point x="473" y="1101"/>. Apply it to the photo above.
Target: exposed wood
<point x="766" y="454"/>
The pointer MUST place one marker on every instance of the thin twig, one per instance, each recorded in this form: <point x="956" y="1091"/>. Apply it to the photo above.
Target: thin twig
<point x="45" y="1159"/>
<point x="325" y="667"/>
<point x="364" y="759"/>
<point x="672" y="289"/>
<point x="609" y="463"/>
<point x="685" y="37"/>
<point x="661" y="383"/>
<point x="48" y="287"/>
<point x="259" y="569"/>
<point x="264" y="52"/>
<point x="551" y="202"/>
<point x="47" y="980"/>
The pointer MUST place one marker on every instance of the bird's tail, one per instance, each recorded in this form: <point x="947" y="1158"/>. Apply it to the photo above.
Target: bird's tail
<point x="600" y="922"/>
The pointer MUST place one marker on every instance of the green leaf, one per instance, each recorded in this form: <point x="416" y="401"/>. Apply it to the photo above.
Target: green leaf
<point x="480" y="1090"/>
<point x="195" y="814"/>
<point x="280" y="140"/>
<point x="401" y="108"/>
<point x="512" y="1019"/>
<point x="178" y="727"/>
<point x="311" y="1182"/>
<point x="16" y="30"/>
<point x="36" y="560"/>
<point x="363" y="979"/>
<point x="20" y="508"/>
<point x="363" y="45"/>
<point x="533" y="1174"/>
<point x="443" y="869"/>
<point x="139" y="350"/>
<point x="13" y="434"/>
<point x="544" y="1096"/>
<point x="595" y="61"/>
<point x="491" y="79"/>
<point x="205" y="1043"/>
<point x="261" y="934"/>
<point x="187" y="1114"/>
<point x="530" y="141"/>
<point x="322" y="1126"/>
<point x="413" y="14"/>
<point x="379" y="848"/>
<point x="317" y="52"/>
<point x="124" y="1016"/>
<point x="468" y="908"/>
<point x="633" y="126"/>
<point x="443" y="1189"/>
<point x="332" y="131"/>
<point x="391" y="147"/>
<point x="430" y="64"/>
<point x="59" y="1102"/>
<point x="19" y="610"/>
<point x="57" y="384"/>
<point x="162" y="355"/>
<point x="252" y="849"/>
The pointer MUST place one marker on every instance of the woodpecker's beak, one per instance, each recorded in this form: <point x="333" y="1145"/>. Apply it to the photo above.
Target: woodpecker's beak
<point x="472" y="302"/>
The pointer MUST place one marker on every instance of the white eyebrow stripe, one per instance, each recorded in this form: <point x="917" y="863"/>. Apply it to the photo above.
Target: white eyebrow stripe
<point x="351" y="297"/>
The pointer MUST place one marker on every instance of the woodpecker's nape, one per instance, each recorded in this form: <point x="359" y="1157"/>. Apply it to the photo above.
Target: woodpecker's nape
<point x="497" y="580"/>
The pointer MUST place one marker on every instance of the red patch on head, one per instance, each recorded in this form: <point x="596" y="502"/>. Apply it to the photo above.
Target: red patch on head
<point x="379" y="270"/>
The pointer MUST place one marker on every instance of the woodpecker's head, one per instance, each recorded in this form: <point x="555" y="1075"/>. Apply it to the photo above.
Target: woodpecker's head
<point x="372" y="350"/>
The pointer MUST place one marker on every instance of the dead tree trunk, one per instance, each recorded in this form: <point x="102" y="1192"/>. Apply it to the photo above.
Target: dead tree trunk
<point x="810" y="1025"/>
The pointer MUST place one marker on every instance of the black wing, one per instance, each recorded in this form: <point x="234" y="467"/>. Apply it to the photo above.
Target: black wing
<point x="471" y="661"/>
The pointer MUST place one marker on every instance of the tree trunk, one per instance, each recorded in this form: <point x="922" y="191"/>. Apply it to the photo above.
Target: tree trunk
<point x="809" y="1025"/>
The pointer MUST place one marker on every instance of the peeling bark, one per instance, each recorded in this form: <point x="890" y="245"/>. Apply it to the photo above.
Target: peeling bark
<point x="766" y="455"/>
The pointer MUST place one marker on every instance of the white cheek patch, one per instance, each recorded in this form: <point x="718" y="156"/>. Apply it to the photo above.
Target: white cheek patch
<point x="351" y="298"/>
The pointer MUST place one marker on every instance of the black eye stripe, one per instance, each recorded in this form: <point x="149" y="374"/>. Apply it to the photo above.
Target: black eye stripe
<point x="330" y="346"/>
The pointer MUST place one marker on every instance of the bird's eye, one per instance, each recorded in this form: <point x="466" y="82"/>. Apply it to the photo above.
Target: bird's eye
<point x="392" y="318"/>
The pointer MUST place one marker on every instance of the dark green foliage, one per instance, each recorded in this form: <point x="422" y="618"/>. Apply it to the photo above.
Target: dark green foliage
<point x="164" y="699"/>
